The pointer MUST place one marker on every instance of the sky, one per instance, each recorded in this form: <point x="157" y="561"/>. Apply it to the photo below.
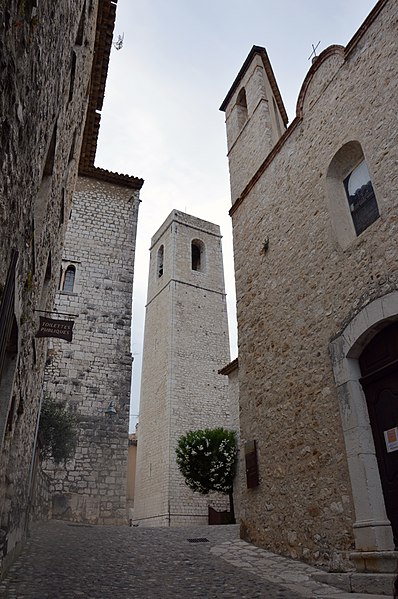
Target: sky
<point x="161" y="120"/>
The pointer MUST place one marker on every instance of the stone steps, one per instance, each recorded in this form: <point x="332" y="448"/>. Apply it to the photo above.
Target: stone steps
<point x="356" y="582"/>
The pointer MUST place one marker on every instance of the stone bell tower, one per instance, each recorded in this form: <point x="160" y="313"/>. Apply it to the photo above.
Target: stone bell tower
<point x="185" y="343"/>
<point x="255" y="118"/>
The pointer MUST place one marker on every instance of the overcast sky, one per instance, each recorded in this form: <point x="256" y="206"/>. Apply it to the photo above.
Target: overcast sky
<point x="160" y="119"/>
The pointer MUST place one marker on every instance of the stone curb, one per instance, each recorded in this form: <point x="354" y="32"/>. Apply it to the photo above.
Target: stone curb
<point x="301" y="578"/>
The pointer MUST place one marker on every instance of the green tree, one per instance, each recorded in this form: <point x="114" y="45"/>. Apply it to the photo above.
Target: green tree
<point x="57" y="431"/>
<point x="206" y="459"/>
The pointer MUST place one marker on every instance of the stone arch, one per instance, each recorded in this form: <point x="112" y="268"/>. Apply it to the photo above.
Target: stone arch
<point x="241" y="105"/>
<point x="344" y="161"/>
<point x="160" y="261"/>
<point x="372" y="529"/>
<point x="197" y="255"/>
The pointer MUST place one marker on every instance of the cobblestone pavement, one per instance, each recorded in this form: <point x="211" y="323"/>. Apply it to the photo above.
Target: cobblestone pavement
<point x="64" y="560"/>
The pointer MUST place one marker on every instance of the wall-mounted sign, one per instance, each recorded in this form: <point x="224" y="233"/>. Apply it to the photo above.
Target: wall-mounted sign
<point x="391" y="439"/>
<point x="50" y="327"/>
<point x="252" y="479"/>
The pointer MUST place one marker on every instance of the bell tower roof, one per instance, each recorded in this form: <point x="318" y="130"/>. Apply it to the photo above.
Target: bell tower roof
<point x="257" y="50"/>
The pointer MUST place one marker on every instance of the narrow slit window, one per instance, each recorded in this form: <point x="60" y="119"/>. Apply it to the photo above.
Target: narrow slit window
<point x="197" y="255"/>
<point x="241" y="106"/>
<point x="160" y="261"/>
<point x="361" y="198"/>
<point x="69" y="279"/>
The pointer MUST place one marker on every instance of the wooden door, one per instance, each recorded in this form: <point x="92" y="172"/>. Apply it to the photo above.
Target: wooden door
<point x="379" y="365"/>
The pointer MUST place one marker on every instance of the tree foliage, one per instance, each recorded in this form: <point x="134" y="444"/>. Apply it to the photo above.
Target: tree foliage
<point x="57" y="431"/>
<point x="206" y="459"/>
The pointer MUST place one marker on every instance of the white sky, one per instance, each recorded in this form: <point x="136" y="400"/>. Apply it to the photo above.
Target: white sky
<point x="161" y="121"/>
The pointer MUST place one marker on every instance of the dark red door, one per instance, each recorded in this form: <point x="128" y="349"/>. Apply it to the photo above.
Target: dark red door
<point x="379" y="365"/>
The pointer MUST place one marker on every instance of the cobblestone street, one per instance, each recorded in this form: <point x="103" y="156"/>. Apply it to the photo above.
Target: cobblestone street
<point x="64" y="560"/>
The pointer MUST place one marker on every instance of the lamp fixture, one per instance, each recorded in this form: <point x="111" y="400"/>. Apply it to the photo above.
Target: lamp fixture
<point x="110" y="410"/>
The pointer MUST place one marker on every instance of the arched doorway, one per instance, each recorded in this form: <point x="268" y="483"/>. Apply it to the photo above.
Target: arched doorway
<point x="372" y="527"/>
<point x="379" y="369"/>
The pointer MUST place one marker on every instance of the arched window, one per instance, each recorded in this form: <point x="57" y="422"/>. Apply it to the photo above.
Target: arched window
<point x="241" y="107"/>
<point x="160" y="261"/>
<point x="350" y="195"/>
<point x="197" y="255"/>
<point x="69" y="279"/>
<point x="361" y="197"/>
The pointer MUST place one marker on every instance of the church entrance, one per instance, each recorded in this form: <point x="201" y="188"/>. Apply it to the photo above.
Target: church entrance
<point x="379" y="368"/>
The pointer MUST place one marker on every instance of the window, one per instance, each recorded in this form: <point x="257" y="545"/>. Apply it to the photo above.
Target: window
<point x="241" y="107"/>
<point x="350" y="195"/>
<point x="361" y="198"/>
<point x="197" y="255"/>
<point x="69" y="279"/>
<point x="160" y="261"/>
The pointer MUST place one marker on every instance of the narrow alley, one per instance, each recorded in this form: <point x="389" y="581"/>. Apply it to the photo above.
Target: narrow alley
<point x="64" y="560"/>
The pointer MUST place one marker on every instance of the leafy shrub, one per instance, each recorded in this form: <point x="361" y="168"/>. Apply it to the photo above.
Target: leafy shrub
<point x="57" y="431"/>
<point x="206" y="459"/>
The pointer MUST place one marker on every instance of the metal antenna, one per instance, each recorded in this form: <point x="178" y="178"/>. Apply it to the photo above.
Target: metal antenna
<point x="313" y="53"/>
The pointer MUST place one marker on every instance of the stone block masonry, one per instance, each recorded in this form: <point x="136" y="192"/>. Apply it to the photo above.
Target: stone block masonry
<point x="46" y="54"/>
<point x="95" y="368"/>
<point x="185" y="342"/>
<point x="320" y="489"/>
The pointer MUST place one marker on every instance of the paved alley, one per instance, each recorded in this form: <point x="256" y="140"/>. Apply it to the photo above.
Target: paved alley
<point x="64" y="561"/>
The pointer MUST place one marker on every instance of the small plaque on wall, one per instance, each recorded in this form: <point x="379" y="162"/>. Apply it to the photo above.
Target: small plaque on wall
<point x="391" y="439"/>
<point x="252" y="479"/>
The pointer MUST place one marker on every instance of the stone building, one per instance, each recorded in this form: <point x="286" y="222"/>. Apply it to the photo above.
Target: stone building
<point x="185" y="340"/>
<point x="54" y="60"/>
<point x="93" y="372"/>
<point x="314" y="212"/>
<point x="46" y="53"/>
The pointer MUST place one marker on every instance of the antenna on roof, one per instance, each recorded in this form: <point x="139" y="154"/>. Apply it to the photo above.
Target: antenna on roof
<point x="119" y="42"/>
<point x="313" y="53"/>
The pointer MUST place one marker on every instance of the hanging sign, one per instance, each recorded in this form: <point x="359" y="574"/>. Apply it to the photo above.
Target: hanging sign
<point x="50" y="327"/>
<point x="391" y="438"/>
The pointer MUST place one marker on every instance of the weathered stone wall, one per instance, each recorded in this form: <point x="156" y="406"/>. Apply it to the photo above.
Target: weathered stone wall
<point x="186" y="338"/>
<point x="42" y="109"/>
<point x="232" y="371"/>
<point x="297" y="296"/>
<point x="131" y="469"/>
<point x="251" y="133"/>
<point x="95" y="368"/>
<point x="41" y="493"/>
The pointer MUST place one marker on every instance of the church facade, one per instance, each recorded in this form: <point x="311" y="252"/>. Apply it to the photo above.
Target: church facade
<point x="314" y="212"/>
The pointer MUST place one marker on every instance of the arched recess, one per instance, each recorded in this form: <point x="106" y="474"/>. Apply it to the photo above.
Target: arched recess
<point x="160" y="261"/>
<point x="351" y="211"/>
<point x="241" y="107"/>
<point x="372" y="529"/>
<point x="69" y="279"/>
<point x="197" y="255"/>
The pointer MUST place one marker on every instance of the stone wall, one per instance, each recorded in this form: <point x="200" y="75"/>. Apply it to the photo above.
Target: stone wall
<point x="232" y="371"/>
<point x="46" y="52"/>
<point x="131" y="469"/>
<point x="186" y="338"/>
<point x="295" y="297"/>
<point x="95" y="368"/>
